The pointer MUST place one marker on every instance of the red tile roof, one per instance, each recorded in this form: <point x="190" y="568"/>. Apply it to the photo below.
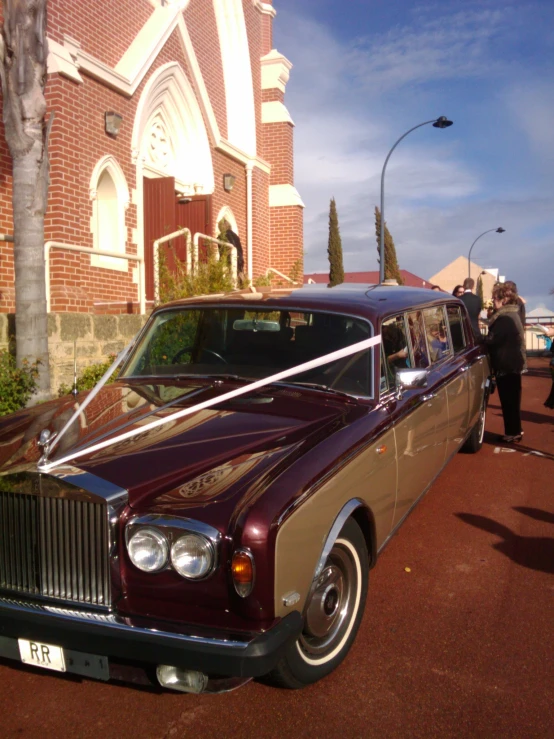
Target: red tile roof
<point x="369" y="278"/>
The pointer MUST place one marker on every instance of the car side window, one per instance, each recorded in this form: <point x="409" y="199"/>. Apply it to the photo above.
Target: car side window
<point x="438" y="339"/>
<point x="395" y="346"/>
<point x="456" y="328"/>
<point x="420" y="352"/>
<point x="384" y="379"/>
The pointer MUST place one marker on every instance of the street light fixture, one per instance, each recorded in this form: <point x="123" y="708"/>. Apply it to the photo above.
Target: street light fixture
<point x="441" y="122"/>
<point x="498" y="230"/>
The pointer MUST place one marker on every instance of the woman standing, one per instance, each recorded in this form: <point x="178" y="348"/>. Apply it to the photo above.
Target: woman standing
<point x="506" y="345"/>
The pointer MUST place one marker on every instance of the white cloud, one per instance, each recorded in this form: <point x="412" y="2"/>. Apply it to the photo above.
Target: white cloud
<point x="437" y="201"/>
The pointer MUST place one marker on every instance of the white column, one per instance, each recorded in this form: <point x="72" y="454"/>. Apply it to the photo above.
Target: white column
<point x="249" y="167"/>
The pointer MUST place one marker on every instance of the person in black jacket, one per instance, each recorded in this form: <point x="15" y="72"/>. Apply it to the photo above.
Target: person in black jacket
<point x="227" y="234"/>
<point x="473" y="304"/>
<point x="506" y="344"/>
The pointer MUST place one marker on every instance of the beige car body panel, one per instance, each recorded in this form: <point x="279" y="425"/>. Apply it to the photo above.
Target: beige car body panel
<point x="371" y="476"/>
<point x="420" y="455"/>
<point x="388" y="482"/>
<point x="457" y="395"/>
<point x="477" y="377"/>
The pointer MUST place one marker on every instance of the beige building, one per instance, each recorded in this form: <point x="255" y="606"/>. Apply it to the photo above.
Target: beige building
<point x="456" y="272"/>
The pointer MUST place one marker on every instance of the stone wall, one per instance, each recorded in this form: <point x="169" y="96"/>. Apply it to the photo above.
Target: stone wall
<point x="90" y="338"/>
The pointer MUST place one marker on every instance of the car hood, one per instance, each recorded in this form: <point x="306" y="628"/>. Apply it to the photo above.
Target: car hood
<point x="205" y="451"/>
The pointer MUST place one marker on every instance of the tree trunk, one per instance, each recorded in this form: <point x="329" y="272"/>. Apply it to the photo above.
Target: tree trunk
<point x="23" y="72"/>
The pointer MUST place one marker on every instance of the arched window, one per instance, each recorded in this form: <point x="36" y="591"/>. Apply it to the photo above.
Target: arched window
<point x="110" y="200"/>
<point x="226" y="214"/>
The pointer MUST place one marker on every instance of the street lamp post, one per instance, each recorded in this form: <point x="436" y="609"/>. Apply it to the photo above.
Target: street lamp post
<point x="498" y="230"/>
<point x="441" y="122"/>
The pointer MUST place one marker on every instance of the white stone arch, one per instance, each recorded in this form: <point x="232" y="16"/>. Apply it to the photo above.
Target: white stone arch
<point x="169" y="136"/>
<point x="228" y="214"/>
<point x="109" y="194"/>
<point x="237" y="74"/>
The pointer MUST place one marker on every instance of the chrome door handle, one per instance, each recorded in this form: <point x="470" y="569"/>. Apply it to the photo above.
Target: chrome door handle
<point x="465" y="368"/>
<point x="425" y="398"/>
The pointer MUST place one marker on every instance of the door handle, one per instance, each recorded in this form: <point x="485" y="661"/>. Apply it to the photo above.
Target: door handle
<point x="430" y="396"/>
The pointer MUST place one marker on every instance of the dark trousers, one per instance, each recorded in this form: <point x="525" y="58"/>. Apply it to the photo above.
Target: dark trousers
<point x="509" y="392"/>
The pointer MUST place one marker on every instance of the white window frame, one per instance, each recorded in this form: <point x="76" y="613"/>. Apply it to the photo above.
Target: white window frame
<point x="110" y="165"/>
<point x="229" y="216"/>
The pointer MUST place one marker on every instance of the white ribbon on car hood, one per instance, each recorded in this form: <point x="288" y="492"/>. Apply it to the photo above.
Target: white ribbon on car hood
<point x="312" y="364"/>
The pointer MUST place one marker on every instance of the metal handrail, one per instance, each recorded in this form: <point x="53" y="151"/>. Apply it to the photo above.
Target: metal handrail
<point x="93" y="253"/>
<point x="219" y="242"/>
<point x="156" y="247"/>
<point x="280" y="274"/>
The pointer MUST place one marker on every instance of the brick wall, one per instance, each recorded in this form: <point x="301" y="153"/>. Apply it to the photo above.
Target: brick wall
<point x="286" y="240"/>
<point x="78" y="141"/>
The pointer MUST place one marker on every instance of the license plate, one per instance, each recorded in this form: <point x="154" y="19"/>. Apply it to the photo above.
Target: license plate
<point x="41" y="655"/>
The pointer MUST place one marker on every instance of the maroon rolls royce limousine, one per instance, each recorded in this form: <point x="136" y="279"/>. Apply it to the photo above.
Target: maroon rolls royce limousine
<point x="212" y="515"/>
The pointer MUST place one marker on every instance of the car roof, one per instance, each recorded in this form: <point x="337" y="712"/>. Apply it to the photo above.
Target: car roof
<point x="366" y="301"/>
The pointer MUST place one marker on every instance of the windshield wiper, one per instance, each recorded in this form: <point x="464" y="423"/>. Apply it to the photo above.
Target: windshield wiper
<point x="317" y="386"/>
<point x="216" y="377"/>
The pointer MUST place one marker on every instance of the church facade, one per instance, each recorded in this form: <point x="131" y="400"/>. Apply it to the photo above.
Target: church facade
<point x="168" y="115"/>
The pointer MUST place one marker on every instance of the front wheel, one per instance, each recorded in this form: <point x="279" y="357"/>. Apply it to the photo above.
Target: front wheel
<point x="474" y="441"/>
<point x="332" y="616"/>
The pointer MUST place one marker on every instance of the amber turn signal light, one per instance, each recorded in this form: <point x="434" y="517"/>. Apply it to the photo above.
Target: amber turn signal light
<point x="242" y="569"/>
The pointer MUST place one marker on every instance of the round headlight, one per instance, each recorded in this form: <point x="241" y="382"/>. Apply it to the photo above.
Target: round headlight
<point x="148" y="550"/>
<point x="192" y="556"/>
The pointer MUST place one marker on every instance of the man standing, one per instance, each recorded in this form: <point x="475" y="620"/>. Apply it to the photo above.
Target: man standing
<point x="473" y="304"/>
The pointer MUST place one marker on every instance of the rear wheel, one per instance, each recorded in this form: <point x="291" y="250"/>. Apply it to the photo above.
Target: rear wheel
<point x="474" y="441"/>
<point x="332" y="616"/>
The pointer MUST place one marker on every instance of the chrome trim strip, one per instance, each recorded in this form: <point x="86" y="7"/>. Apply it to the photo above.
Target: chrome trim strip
<point x="176" y="522"/>
<point x="118" y="624"/>
<point x="345" y="513"/>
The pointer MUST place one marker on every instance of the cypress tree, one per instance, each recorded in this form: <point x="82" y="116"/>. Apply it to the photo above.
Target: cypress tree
<point x="334" y="248"/>
<point x="392" y="270"/>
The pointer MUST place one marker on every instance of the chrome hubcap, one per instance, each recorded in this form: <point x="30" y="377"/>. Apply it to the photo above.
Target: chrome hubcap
<point x="482" y="426"/>
<point x="331" y="604"/>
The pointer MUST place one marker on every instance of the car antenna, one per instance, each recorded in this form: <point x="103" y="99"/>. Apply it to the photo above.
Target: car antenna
<point x="74" y="392"/>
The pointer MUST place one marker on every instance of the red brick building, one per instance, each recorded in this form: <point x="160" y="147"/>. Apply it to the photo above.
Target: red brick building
<point x="200" y="94"/>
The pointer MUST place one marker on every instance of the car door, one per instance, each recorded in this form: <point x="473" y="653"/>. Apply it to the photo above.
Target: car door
<point x="415" y="413"/>
<point x="456" y="376"/>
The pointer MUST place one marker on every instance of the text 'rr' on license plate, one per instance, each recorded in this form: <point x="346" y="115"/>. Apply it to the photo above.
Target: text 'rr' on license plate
<point x="41" y="655"/>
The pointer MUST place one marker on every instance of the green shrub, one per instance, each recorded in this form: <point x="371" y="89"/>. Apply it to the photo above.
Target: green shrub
<point x="89" y="376"/>
<point x="211" y="277"/>
<point x="17" y="385"/>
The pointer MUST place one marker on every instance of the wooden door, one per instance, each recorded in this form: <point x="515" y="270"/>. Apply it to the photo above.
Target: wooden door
<point x="159" y="220"/>
<point x="196" y="215"/>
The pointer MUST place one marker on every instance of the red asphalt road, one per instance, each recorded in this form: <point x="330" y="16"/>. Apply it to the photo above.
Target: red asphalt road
<point x="460" y="646"/>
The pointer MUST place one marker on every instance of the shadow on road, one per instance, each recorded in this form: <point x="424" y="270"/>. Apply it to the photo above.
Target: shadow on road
<point x="538" y="371"/>
<point x="535" y="513"/>
<point x="534" y="552"/>
<point x="532" y="417"/>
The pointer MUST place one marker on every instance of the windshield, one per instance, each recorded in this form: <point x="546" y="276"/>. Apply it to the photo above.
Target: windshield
<point x="251" y="344"/>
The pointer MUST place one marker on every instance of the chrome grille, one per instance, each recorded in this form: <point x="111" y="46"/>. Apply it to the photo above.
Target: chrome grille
<point x="55" y="548"/>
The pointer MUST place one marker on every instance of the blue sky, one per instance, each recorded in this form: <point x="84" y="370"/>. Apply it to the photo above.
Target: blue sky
<point x="365" y="71"/>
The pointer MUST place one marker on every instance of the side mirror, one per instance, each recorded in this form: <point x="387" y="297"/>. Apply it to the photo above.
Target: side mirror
<point x="407" y="379"/>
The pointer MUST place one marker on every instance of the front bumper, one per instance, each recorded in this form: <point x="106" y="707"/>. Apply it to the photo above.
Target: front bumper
<point x="139" y="641"/>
